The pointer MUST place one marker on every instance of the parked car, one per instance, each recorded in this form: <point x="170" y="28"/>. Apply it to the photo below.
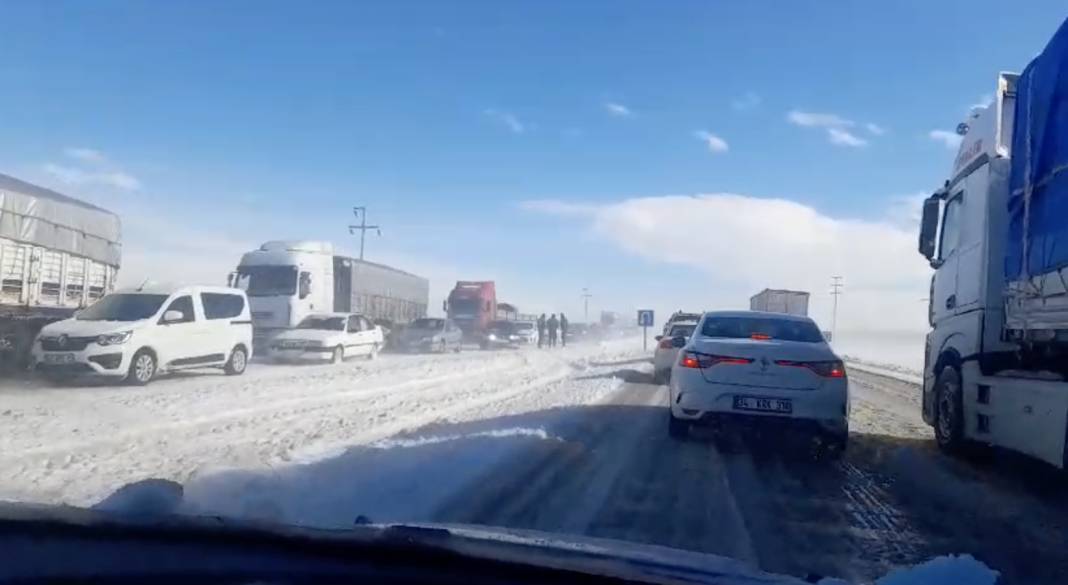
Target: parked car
<point x="509" y="334"/>
<point x="431" y="334"/>
<point x="328" y="336"/>
<point x="760" y="369"/>
<point x="137" y="334"/>
<point x="666" y="352"/>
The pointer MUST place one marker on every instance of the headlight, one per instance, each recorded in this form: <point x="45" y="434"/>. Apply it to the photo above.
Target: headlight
<point x="492" y="337"/>
<point x="513" y="338"/>
<point x="114" y="338"/>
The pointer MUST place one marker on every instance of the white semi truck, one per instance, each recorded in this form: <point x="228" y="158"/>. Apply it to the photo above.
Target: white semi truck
<point x="791" y="302"/>
<point x="287" y="280"/>
<point x="57" y="255"/>
<point x="996" y="233"/>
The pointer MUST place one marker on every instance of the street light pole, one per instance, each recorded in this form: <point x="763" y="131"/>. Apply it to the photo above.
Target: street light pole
<point x="586" y="305"/>
<point x="361" y="214"/>
<point x="836" y="289"/>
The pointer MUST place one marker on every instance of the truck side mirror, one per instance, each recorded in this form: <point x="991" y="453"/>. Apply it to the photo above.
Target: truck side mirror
<point x="445" y="306"/>
<point x="929" y="226"/>
<point x="304" y="285"/>
<point x="230" y="279"/>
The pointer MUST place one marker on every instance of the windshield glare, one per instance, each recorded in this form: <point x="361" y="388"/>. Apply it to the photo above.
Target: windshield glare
<point x="325" y="323"/>
<point x="123" y="307"/>
<point x="262" y="281"/>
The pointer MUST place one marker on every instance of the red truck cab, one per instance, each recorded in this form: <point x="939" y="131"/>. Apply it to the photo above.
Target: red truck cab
<point x="472" y="305"/>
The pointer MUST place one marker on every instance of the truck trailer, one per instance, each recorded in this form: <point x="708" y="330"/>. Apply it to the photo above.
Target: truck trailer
<point x="791" y="302"/>
<point x="57" y="255"/>
<point x="996" y="234"/>
<point x="288" y="280"/>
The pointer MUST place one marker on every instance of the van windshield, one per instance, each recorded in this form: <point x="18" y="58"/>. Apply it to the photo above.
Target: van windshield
<point x="123" y="307"/>
<point x="267" y="281"/>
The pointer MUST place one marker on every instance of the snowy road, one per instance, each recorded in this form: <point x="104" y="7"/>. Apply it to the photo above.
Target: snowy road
<point x="571" y="441"/>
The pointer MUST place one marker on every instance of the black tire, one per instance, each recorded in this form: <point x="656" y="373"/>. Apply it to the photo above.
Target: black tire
<point x="459" y="347"/>
<point x="338" y="355"/>
<point x="677" y="429"/>
<point x="661" y="376"/>
<point x="374" y="352"/>
<point x="235" y="366"/>
<point x="143" y="368"/>
<point x="949" y="411"/>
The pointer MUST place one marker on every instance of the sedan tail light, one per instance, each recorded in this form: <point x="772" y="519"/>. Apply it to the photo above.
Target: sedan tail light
<point x="693" y="359"/>
<point x="827" y="369"/>
<point x="665" y="343"/>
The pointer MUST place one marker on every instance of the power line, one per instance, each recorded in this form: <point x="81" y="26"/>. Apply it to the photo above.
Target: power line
<point x="836" y="290"/>
<point x="361" y="214"/>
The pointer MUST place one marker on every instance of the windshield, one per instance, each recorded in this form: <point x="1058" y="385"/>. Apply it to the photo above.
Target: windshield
<point x="123" y="307"/>
<point x="535" y="200"/>
<point x="746" y="327"/>
<point x="427" y="324"/>
<point x="264" y="281"/>
<point x="324" y="323"/>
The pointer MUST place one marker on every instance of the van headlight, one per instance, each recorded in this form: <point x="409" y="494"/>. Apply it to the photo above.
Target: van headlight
<point x="114" y="338"/>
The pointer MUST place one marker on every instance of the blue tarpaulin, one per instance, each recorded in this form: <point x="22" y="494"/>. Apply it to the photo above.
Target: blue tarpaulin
<point x="1039" y="166"/>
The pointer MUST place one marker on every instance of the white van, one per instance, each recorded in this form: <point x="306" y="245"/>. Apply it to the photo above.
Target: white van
<point x="136" y="334"/>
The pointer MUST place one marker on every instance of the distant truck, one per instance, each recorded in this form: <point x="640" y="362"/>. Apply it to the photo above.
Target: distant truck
<point x="287" y="280"/>
<point x="996" y="234"/>
<point x="472" y="305"/>
<point x="791" y="302"/>
<point x="57" y="255"/>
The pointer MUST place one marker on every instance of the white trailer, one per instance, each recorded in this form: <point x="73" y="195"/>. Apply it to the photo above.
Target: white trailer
<point x="57" y="255"/>
<point x="996" y="361"/>
<point x="791" y="302"/>
<point x="287" y="280"/>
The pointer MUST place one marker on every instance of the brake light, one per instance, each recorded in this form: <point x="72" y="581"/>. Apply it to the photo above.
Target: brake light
<point x="827" y="369"/>
<point x="760" y="336"/>
<point x="693" y="359"/>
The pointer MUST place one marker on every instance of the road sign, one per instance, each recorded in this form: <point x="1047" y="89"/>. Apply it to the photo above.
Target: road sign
<point x="645" y="318"/>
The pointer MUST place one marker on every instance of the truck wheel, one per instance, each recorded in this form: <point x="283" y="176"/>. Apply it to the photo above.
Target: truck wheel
<point x="677" y="429"/>
<point x="949" y="411"/>
<point x="338" y="356"/>
<point x="142" y="368"/>
<point x="235" y="366"/>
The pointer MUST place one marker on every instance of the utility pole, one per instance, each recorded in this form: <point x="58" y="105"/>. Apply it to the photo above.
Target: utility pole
<point x="361" y="214"/>
<point x="836" y="289"/>
<point x="586" y="305"/>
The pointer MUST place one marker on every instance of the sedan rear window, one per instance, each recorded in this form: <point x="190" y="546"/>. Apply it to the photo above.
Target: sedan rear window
<point x="745" y="327"/>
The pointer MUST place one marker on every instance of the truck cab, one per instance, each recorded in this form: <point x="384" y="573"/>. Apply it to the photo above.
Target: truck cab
<point x="285" y="282"/>
<point x="472" y="305"/>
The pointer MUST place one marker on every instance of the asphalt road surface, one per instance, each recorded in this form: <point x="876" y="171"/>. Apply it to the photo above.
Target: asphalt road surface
<point x="893" y="500"/>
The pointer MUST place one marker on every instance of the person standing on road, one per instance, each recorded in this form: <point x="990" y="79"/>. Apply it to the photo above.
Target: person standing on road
<point x="563" y="330"/>
<point x="541" y="330"/>
<point x="553" y="324"/>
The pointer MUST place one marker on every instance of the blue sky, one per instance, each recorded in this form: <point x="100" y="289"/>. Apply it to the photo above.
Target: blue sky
<point x="212" y="126"/>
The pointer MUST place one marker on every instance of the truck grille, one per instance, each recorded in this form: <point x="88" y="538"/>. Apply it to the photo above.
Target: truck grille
<point x="65" y="343"/>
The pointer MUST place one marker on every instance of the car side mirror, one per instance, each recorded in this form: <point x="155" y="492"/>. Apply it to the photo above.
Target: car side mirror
<point x="678" y="341"/>
<point x="929" y="227"/>
<point x="658" y="337"/>
<point x="173" y="316"/>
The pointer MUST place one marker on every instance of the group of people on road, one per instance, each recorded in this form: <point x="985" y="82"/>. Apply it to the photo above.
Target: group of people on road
<point x="549" y="328"/>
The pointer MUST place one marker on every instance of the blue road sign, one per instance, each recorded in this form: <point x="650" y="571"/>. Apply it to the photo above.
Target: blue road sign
<point x="645" y="318"/>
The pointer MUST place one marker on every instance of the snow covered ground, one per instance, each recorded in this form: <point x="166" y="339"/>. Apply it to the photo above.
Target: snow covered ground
<point x="75" y="445"/>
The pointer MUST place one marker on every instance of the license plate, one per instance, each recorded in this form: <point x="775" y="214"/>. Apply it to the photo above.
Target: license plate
<point x="59" y="358"/>
<point x="760" y="404"/>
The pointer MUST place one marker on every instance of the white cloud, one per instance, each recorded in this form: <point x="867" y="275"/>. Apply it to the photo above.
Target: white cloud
<point x="509" y="120"/>
<point x="715" y="144"/>
<point x="950" y="140"/>
<point x="618" y="109"/>
<point x="86" y="155"/>
<point x="845" y="138"/>
<point x="875" y="129"/>
<point x="746" y="101"/>
<point x="984" y="100"/>
<point x="815" y="120"/>
<point x="744" y="244"/>
<point x="81" y="177"/>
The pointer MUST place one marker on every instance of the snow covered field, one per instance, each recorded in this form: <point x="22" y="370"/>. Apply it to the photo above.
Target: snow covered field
<point x="75" y="445"/>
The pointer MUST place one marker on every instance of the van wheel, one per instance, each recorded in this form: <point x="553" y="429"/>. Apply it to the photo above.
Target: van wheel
<point x="949" y="411"/>
<point x="338" y="356"/>
<point x="235" y="366"/>
<point x="374" y="352"/>
<point x="142" y="368"/>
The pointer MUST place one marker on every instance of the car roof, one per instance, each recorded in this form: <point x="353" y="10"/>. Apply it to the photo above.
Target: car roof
<point x="164" y="288"/>
<point x="758" y="315"/>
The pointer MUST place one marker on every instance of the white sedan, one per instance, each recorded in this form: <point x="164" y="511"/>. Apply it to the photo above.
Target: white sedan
<point x="665" y="354"/>
<point x="763" y="369"/>
<point x="328" y="336"/>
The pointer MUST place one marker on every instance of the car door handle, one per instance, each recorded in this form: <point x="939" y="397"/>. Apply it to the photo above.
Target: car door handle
<point x="951" y="302"/>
